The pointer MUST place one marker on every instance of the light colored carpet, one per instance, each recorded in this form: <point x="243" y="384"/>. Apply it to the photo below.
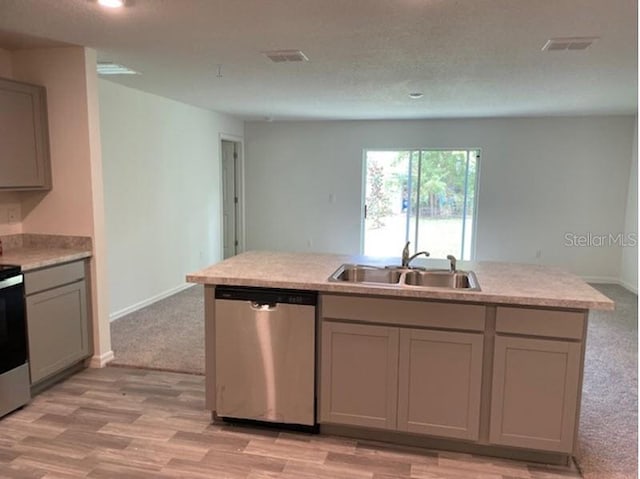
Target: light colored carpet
<point x="608" y="440"/>
<point x="169" y="335"/>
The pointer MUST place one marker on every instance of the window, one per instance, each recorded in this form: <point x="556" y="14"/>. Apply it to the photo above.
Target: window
<point x="427" y="197"/>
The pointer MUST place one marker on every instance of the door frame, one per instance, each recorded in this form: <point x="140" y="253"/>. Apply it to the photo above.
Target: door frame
<point x="240" y="220"/>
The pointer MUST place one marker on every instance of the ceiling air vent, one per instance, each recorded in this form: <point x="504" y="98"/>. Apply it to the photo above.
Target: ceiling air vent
<point x="568" y="43"/>
<point x="282" y="56"/>
<point x="109" y="68"/>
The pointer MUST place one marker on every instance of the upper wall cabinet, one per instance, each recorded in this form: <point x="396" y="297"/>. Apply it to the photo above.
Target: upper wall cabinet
<point x="24" y="137"/>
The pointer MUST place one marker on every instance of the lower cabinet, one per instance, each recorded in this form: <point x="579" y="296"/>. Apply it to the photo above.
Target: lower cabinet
<point x="359" y="374"/>
<point x="535" y="386"/>
<point x="440" y="377"/>
<point x="402" y="379"/>
<point x="57" y="319"/>
<point x="417" y="367"/>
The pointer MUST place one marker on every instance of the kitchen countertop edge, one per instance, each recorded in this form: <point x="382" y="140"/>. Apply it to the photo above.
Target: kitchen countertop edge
<point x="406" y="292"/>
<point x="30" y="259"/>
<point x="516" y="284"/>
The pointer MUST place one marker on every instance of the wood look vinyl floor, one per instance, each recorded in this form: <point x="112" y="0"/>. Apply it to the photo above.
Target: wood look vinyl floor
<point x="129" y="423"/>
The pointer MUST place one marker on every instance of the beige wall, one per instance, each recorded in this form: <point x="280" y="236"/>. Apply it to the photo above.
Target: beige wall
<point x="5" y="64"/>
<point x="100" y="286"/>
<point x="161" y="162"/>
<point x="67" y="208"/>
<point x="74" y="205"/>
<point x="7" y="199"/>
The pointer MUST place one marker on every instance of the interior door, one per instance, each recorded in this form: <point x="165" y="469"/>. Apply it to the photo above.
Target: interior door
<point x="229" y="199"/>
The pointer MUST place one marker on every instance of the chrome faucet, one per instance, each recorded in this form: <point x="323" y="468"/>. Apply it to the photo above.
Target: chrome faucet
<point x="452" y="262"/>
<point x="406" y="259"/>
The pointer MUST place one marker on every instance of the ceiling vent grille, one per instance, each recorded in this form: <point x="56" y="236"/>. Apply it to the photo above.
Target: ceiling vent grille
<point x="109" y="68"/>
<point x="568" y="43"/>
<point x="283" y="56"/>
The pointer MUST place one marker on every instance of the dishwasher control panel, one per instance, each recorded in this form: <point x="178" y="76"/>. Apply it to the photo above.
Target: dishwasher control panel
<point x="267" y="295"/>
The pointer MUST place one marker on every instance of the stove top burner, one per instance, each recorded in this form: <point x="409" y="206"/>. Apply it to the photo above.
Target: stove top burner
<point x="8" y="270"/>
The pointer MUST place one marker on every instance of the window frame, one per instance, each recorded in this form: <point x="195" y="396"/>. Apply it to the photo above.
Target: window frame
<point x="476" y="201"/>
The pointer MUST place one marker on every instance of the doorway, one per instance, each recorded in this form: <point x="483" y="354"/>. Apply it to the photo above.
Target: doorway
<point x="232" y="211"/>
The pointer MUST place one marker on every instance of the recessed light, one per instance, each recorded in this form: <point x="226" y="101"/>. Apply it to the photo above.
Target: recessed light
<point x="416" y="95"/>
<point x="111" y="3"/>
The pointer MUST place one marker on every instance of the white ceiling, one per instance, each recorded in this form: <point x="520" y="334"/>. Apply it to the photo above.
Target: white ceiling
<point x="471" y="58"/>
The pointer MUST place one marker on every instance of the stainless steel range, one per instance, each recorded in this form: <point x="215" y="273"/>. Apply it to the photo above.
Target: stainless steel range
<point x="14" y="367"/>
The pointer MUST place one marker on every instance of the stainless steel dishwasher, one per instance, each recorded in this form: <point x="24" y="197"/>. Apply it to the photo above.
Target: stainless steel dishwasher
<point x="265" y="355"/>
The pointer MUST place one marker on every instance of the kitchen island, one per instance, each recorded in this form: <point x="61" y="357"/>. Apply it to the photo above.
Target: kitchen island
<point x="495" y="371"/>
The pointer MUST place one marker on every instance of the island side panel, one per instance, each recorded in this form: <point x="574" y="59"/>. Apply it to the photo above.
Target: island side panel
<point x="585" y="330"/>
<point x="487" y="374"/>
<point x="209" y="348"/>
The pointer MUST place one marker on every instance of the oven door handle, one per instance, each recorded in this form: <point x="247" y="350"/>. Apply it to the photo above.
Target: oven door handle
<point x="14" y="280"/>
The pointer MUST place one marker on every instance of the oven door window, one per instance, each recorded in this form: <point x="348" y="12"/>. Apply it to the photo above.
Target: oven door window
<point x="13" y="341"/>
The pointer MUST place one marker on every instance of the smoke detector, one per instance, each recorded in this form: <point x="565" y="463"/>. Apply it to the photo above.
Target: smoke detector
<point x="283" y="56"/>
<point x="568" y="43"/>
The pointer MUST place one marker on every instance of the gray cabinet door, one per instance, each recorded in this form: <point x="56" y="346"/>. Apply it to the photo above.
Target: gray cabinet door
<point x="57" y="329"/>
<point x="440" y="377"/>
<point x="359" y="375"/>
<point x="535" y="393"/>
<point x="24" y="138"/>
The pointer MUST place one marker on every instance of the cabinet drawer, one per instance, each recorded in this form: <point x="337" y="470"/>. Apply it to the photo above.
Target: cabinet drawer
<point x="541" y="322"/>
<point x="404" y="312"/>
<point x="47" y="278"/>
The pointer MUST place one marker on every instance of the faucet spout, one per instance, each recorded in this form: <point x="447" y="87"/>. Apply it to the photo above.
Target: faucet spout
<point x="411" y="258"/>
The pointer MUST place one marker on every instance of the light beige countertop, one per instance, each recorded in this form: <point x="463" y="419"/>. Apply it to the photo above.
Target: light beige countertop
<point x="34" y="258"/>
<point x="34" y="251"/>
<point x="500" y="283"/>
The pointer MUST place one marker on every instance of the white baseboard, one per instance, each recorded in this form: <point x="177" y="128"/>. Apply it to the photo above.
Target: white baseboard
<point x="629" y="286"/>
<point x="102" y="360"/>
<point x="610" y="280"/>
<point x="148" y="301"/>
<point x="601" y="279"/>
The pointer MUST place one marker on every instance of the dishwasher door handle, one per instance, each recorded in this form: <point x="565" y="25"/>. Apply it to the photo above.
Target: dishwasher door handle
<point x="263" y="306"/>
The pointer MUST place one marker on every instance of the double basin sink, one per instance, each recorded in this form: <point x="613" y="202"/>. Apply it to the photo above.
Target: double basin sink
<point x="412" y="277"/>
